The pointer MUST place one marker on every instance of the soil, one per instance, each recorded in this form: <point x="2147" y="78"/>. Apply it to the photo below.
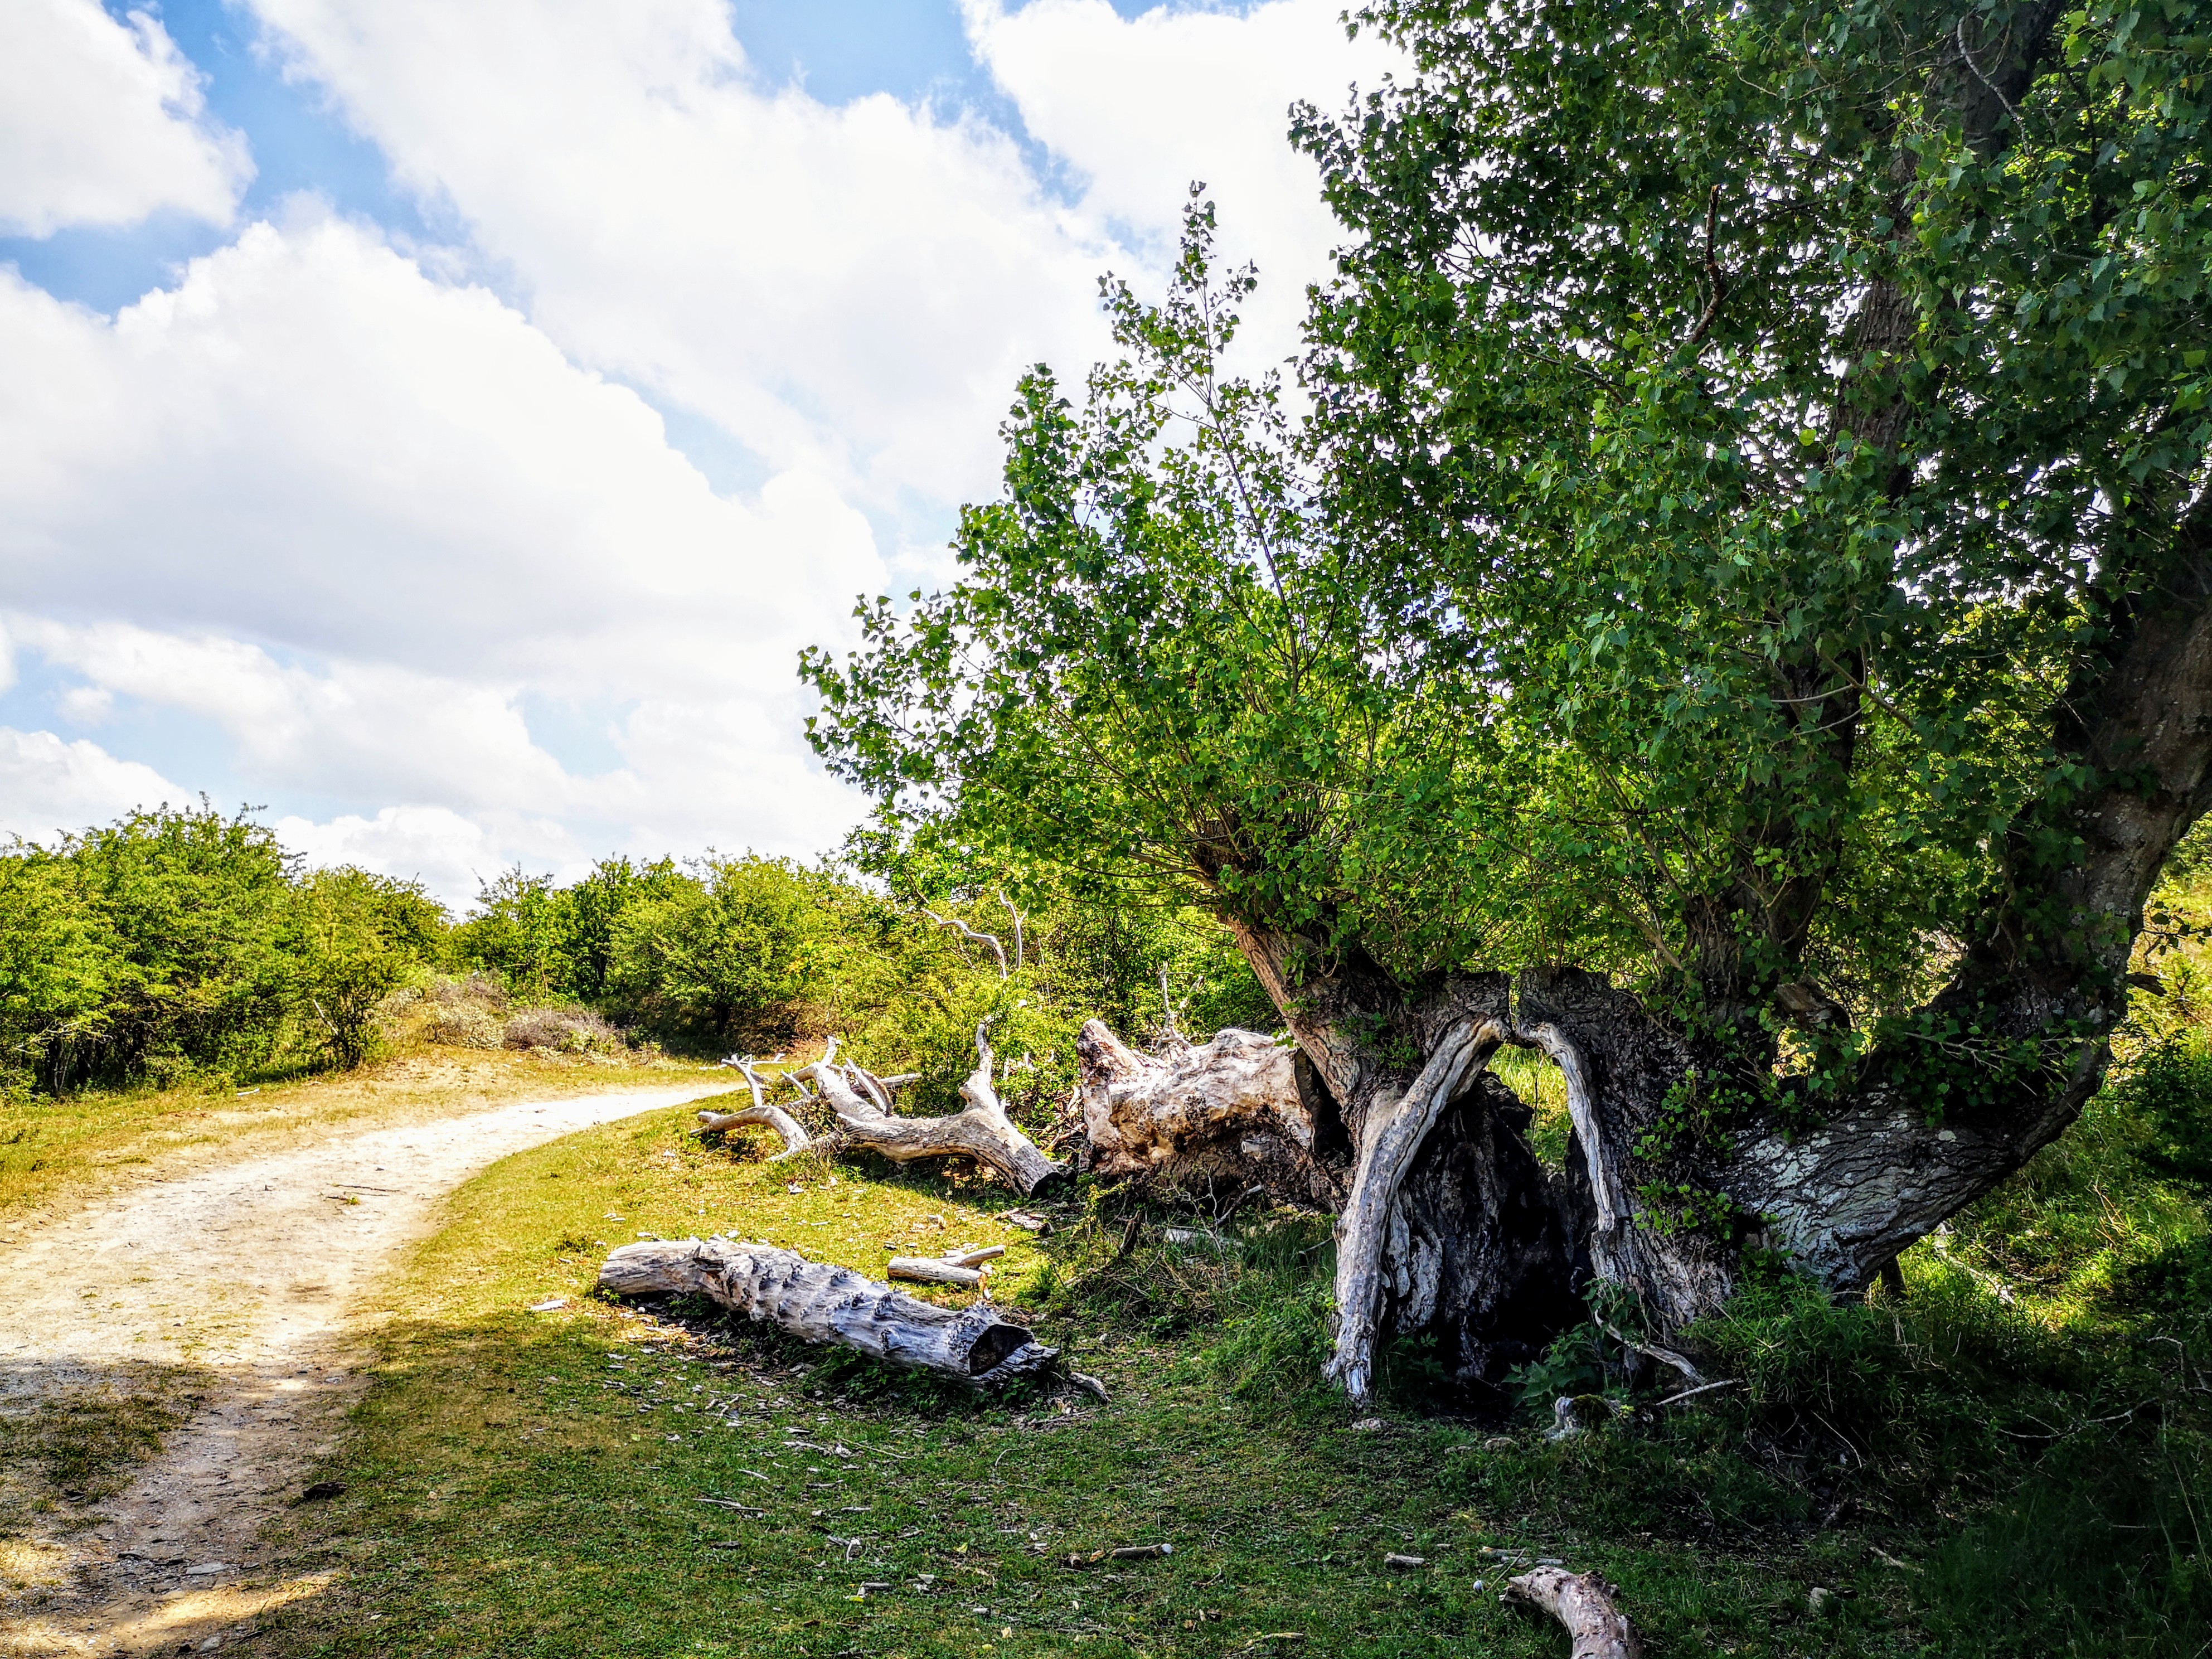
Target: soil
<point x="255" y="1280"/>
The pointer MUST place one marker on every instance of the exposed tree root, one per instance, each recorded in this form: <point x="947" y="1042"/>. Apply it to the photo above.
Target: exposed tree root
<point x="1225" y="1114"/>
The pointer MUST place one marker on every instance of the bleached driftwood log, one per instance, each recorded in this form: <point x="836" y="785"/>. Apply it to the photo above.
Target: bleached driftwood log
<point x="1227" y="1114"/>
<point x="981" y="1130"/>
<point x="1583" y="1603"/>
<point x="953" y="1267"/>
<point x="794" y="1135"/>
<point x="819" y="1302"/>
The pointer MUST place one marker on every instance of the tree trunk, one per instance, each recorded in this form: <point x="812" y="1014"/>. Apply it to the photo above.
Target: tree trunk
<point x="1217" y="1117"/>
<point x="818" y="1303"/>
<point x="982" y="1131"/>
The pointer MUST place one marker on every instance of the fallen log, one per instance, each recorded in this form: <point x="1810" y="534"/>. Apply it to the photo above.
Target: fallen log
<point x="794" y="1134"/>
<point x="981" y="1130"/>
<point x="818" y="1303"/>
<point x="1583" y="1603"/>
<point x="934" y="1270"/>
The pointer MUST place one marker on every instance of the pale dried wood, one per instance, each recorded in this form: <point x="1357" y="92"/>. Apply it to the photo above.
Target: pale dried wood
<point x="819" y="1302"/>
<point x="975" y="1257"/>
<point x="981" y="1130"/>
<point x="1371" y="1231"/>
<point x="1583" y="1603"/>
<point x="794" y="1134"/>
<point x="1224" y="1113"/>
<point x="933" y="1270"/>
<point x="968" y="932"/>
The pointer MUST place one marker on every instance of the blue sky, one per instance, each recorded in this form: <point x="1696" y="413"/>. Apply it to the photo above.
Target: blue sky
<point x="442" y="426"/>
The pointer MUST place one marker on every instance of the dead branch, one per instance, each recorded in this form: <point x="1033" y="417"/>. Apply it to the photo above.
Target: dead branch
<point x="1583" y="1603"/>
<point x="968" y="932"/>
<point x="796" y="1138"/>
<point x="981" y="1130"/>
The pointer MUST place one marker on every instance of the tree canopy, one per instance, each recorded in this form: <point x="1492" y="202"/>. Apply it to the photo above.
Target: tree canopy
<point x="1738" y="526"/>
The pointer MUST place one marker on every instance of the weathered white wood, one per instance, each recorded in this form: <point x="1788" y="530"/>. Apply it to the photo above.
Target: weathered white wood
<point x="934" y="1270"/>
<point x="1372" y="1230"/>
<point x="819" y="1302"/>
<point x="975" y="1257"/>
<point x="1583" y="1603"/>
<point x="1227" y="1112"/>
<point x="981" y="1130"/>
<point x="968" y="932"/>
<point x="794" y="1134"/>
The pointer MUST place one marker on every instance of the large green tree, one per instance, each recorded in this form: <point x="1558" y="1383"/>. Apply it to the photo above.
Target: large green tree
<point x="1738" y="615"/>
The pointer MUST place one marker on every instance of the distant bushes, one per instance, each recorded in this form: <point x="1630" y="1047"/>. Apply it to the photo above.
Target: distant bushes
<point x="175" y="944"/>
<point x="757" y="954"/>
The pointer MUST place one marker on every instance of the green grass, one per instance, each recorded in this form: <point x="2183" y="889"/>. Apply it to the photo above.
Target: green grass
<point x="502" y="1498"/>
<point x="2011" y="1458"/>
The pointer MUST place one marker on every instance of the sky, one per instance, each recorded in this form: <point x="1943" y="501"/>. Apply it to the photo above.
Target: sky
<point x="440" y="426"/>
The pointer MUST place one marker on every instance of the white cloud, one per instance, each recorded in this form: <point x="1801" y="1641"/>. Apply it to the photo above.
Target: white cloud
<point x="450" y="854"/>
<point x="102" y="123"/>
<point x="48" y="785"/>
<point x="850" y="290"/>
<point x="1143" y="106"/>
<point x="310" y="442"/>
<point x="351" y="517"/>
<point x="358" y="521"/>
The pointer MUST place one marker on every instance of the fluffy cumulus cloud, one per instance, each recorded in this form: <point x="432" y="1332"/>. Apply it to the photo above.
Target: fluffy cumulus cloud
<point x="397" y="533"/>
<point x="352" y="517"/>
<point x="1143" y="106"/>
<point x="852" y="289"/>
<point x="102" y="123"/>
<point x="49" y="785"/>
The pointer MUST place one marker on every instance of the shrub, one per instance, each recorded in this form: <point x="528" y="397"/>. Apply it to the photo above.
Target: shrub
<point x="573" y="1029"/>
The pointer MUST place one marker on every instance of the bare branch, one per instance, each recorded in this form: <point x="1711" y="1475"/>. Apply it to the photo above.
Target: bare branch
<point x="966" y="932"/>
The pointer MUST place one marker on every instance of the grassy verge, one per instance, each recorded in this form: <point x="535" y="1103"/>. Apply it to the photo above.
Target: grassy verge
<point x="524" y="1485"/>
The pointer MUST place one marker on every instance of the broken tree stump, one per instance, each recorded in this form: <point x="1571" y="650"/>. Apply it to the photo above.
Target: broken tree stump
<point x="1225" y="1113"/>
<point x="982" y="1131"/>
<point x="1582" y="1601"/>
<point x="818" y="1303"/>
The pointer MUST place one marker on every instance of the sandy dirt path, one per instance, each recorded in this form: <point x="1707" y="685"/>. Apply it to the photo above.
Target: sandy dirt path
<point x="255" y="1275"/>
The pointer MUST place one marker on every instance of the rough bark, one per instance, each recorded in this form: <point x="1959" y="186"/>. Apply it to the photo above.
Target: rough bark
<point x="981" y="1130"/>
<point x="1214" y="1117"/>
<point x="1583" y="1603"/>
<point x="819" y="1302"/>
<point x="1374" y="1236"/>
<point x="1446" y="1222"/>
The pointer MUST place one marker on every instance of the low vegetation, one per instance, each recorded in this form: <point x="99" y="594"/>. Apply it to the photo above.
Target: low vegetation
<point x="2008" y="1455"/>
